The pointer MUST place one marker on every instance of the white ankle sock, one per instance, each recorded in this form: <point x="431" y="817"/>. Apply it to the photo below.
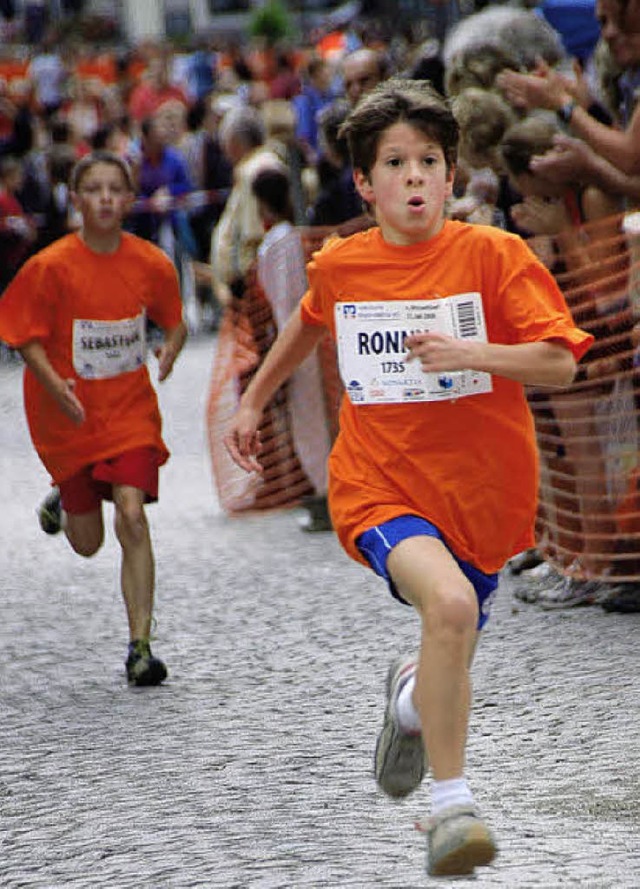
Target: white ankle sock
<point x="406" y="712"/>
<point x="451" y="792"/>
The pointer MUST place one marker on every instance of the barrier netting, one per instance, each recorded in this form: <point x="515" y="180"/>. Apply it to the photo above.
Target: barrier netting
<point x="246" y="335"/>
<point x="247" y="331"/>
<point x="588" y="520"/>
<point x="589" y="515"/>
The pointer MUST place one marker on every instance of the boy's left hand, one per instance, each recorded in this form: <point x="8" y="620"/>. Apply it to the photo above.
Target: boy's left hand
<point x="166" y="356"/>
<point x="168" y="351"/>
<point x="438" y="352"/>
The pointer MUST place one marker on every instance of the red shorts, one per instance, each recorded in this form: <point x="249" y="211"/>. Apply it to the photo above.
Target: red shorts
<point x="85" y="491"/>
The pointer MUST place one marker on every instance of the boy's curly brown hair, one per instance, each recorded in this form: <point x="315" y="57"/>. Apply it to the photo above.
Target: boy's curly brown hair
<point x="398" y="100"/>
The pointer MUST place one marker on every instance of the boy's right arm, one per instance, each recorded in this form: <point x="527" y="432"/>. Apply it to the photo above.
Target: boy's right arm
<point x="292" y="346"/>
<point x="61" y="390"/>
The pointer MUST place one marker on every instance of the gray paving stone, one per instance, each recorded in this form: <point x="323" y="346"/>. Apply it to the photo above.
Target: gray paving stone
<point x="251" y="767"/>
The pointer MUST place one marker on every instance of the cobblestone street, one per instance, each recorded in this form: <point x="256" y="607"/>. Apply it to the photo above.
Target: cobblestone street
<point x="252" y="766"/>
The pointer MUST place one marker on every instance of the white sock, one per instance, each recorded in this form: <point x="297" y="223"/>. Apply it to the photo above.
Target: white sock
<point x="408" y="717"/>
<point x="451" y="792"/>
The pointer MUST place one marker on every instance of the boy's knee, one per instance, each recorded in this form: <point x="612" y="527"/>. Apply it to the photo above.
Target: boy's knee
<point x="85" y="532"/>
<point x="453" y="611"/>
<point x="130" y="522"/>
<point x="85" y="546"/>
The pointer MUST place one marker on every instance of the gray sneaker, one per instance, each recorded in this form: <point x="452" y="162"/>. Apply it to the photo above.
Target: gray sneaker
<point x="458" y="841"/>
<point x="400" y="758"/>
<point x="573" y="594"/>
<point x="624" y="598"/>
<point x="537" y="584"/>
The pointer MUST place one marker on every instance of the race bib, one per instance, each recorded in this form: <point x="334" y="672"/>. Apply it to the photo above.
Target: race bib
<point x="104" y="349"/>
<point x="372" y="354"/>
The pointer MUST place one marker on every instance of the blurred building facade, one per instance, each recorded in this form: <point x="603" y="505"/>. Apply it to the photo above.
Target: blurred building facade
<point x="135" y="20"/>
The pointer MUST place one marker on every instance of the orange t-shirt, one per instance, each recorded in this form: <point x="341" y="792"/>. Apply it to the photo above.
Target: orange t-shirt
<point x="88" y="310"/>
<point x="469" y="465"/>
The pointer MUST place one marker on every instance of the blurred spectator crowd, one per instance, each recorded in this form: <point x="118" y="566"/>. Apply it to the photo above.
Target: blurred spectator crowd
<point x="165" y="109"/>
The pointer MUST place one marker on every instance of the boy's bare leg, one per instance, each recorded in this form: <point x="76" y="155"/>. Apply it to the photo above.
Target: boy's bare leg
<point x="428" y="577"/>
<point x="84" y="532"/>
<point x="137" y="570"/>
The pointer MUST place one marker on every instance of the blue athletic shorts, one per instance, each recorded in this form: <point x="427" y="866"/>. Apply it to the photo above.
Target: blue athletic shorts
<point x="376" y="544"/>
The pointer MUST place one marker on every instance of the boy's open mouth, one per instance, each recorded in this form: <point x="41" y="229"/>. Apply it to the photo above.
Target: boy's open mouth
<point x="416" y="202"/>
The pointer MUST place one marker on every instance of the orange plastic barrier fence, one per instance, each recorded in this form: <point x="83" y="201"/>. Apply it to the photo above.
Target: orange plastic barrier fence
<point x="246" y="334"/>
<point x="589" y="513"/>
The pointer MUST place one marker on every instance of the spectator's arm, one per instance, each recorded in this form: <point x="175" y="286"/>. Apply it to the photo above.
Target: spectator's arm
<point x="573" y="158"/>
<point x="552" y="91"/>
<point x="621" y="147"/>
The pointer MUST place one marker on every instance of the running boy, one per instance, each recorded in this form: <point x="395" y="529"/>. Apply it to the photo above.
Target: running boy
<point x="433" y="477"/>
<point x="77" y="314"/>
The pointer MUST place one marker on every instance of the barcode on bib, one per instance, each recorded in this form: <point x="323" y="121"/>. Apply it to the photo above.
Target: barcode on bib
<point x="466" y="318"/>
